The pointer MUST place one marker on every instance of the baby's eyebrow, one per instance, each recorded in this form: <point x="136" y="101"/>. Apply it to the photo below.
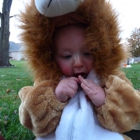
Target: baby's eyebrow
<point x="64" y="49"/>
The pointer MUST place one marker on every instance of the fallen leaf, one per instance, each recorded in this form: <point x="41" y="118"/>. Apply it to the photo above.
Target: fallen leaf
<point x="3" y="75"/>
<point x="8" y="90"/>
<point x="15" y="111"/>
<point x="18" y="79"/>
<point x="5" y="122"/>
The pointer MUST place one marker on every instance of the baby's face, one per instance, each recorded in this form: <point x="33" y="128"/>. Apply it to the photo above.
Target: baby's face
<point x="72" y="57"/>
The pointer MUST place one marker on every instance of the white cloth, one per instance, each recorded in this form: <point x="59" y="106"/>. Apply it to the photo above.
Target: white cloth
<point x="79" y="121"/>
<point x="53" y="8"/>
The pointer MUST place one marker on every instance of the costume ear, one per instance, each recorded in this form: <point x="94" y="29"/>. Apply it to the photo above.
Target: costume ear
<point x="53" y="8"/>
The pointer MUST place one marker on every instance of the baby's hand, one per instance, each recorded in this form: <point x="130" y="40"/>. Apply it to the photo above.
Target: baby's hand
<point x="66" y="88"/>
<point x="94" y="91"/>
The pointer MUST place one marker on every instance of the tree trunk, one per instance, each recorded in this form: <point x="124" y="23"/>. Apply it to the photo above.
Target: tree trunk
<point x="4" y="34"/>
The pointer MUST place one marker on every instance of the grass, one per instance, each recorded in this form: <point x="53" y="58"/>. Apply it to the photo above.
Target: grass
<point x="133" y="74"/>
<point x="12" y="80"/>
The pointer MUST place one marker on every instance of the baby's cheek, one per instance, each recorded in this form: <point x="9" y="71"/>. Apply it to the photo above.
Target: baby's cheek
<point x="65" y="68"/>
<point x="67" y="71"/>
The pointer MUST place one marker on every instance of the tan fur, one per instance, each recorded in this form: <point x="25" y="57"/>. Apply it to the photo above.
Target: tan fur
<point x="126" y="138"/>
<point x="40" y="111"/>
<point x="37" y="104"/>
<point x="119" y="102"/>
<point x="102" y="37"/>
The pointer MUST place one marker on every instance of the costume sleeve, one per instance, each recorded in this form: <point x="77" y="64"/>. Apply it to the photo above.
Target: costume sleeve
<point x="40" y="111"/>
<point x="121" y="111"/>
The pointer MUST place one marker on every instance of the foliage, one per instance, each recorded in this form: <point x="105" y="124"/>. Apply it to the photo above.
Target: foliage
<point x="12" y="80"/>
<point x="134" y="42"/>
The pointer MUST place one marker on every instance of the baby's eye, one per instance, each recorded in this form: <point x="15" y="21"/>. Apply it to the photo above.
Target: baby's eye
<point x="67" y="56"/>
<point x="86" y="53"/>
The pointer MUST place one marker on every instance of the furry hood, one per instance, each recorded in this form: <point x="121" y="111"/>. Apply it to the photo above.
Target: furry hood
<point x="102" y="37"/>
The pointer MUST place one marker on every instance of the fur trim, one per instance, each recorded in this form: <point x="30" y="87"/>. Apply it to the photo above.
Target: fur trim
<point x="102" y="38"/>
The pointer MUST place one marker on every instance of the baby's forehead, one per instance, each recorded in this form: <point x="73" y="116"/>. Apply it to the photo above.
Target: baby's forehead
<point x="69" y="35"/>
<point x="69" y="29"/>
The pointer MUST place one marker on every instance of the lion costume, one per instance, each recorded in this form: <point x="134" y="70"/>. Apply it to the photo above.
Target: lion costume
<point x="40" y="111"/>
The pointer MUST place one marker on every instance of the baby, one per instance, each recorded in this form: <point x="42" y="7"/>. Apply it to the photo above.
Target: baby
<point x="75" y="55"/>
<point x="76" y="62"/>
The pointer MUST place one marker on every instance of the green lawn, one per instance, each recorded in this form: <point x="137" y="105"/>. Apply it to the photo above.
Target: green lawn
<point x="133" y="74"/>
<point x="11" y="81"/>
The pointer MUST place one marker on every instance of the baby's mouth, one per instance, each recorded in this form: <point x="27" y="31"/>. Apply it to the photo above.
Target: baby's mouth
<point x="84" y="75"/>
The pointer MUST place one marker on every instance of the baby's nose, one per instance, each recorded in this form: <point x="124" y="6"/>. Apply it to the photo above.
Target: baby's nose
<point x="78" y="61"/>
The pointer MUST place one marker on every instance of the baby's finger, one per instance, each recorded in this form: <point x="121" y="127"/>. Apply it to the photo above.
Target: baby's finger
<point x="82" y="80"/>
<point x="75" y="79"/>
<point x="86" y="88"/>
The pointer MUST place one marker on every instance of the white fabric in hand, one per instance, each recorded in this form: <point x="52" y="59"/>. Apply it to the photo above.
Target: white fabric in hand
<point x="79" y="121"/>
